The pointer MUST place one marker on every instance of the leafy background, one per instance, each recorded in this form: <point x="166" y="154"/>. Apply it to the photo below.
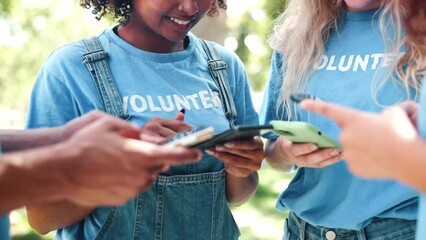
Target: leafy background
<point x="31" y="30"/>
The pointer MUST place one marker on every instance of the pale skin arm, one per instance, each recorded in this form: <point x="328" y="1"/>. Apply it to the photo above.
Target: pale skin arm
<point x="283" y="155"/>
<point x="48" y="217"/>
<point x="242" y="159"/>
<point x="384" y="145"/>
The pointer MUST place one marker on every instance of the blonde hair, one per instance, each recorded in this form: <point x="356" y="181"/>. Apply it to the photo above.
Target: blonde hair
<point x="301" y="31"/>
<point x="412" y="64"/>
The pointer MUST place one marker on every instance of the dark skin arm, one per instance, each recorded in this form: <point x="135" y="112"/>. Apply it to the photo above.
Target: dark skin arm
<point x="242" y="159"/>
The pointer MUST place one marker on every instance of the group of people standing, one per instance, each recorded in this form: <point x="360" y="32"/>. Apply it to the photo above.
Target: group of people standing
<point x="362" y="60"/>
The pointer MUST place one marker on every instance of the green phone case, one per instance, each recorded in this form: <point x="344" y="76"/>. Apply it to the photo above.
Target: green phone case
<point x="303" y="132"/>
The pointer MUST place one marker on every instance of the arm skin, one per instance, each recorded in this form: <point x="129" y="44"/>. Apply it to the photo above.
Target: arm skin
<point x="15" y="140"/>
<point x="285" y="156"/>
<point x="51" y="216"/>
<point x="385" y="145"/>
<point x="276" y="159"/>
<point x="240" y="189"/>
<point x="242" y="159"/>
<point x="408" y="166"/>
<point x="26" y="177"/>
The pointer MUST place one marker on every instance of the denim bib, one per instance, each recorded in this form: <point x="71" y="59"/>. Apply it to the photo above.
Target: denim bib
<point x="186" y="206"/>
<point x="176" y="207"/>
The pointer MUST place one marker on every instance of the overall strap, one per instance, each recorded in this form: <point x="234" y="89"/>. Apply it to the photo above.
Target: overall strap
<point x="217" y="69"/>
<point x="96" y="60"/>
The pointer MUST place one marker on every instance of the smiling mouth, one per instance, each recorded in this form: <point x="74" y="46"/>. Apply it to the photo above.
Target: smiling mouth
<point x="180" y="22"/>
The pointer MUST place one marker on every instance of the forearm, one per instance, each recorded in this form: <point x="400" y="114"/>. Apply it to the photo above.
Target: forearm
<point x="32" y="176"/>
<point x="49" y="217"/>
<point x="276" y="159"/>
<point x="240" y="189"/>
<point x="411" y="164"/>
<point x="14" y="140"/>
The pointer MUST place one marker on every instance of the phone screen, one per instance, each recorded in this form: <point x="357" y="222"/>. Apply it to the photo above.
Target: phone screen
<point x="237" y="133"/>
<point x="192" y="137"/>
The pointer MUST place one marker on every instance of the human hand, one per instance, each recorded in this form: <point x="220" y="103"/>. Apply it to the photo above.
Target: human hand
<point x="411" y="108"/>
<point x="372" y="143"/>
<point x="306" y="154"/>
<point x="67" y="130"/>
<point x="104" y="167"/>
<point x="158" y="130"/>
<point x="240" y="157"/>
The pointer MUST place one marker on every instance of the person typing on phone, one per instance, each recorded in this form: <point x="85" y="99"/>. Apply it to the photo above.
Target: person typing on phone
<point x="75" y="163"/>
<point x="392" y="144"/>
<point x="157" y="67"/>
<point x="335" y="51"/>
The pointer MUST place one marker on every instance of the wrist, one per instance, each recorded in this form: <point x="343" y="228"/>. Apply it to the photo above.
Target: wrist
<point x="52" y="170"/>
<point x="410" y="165"/>
<point x="33" y="177"/>
<point x="277" y="158"/>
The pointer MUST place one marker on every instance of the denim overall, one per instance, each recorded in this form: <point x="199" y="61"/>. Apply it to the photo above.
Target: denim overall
<point x="296" y="228"/>
<point x="188" y="201"/>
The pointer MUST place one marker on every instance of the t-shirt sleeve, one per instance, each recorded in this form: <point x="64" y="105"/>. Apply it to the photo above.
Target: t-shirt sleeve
<point x="268" y="110"/>
<point x="51" y="102"/>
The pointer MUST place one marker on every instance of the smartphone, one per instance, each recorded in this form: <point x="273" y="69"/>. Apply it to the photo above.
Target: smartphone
<point x="298" y="97"/>
<point x="303" y="132"/>
<point x="237" y="133"/>
<point x="192" y="137"/>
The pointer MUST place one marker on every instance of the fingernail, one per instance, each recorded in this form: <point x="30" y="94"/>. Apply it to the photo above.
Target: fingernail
<point x="209" y="152"/>
<point x="334" y="153"/>
<point x="219" y="148"/>
<point x="229" y="144"/>
<point x="313" y="147"/>
<point x="182" y="110"/>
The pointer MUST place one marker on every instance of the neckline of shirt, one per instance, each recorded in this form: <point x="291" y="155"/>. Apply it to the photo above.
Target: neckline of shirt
<point x="362" y="16"/>
<point x="150" y="56"/>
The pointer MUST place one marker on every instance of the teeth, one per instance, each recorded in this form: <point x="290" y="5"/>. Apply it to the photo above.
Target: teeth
<point x="178" y="21"/>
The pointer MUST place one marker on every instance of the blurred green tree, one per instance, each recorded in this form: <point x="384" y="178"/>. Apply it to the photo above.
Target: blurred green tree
<point x="250" y="29"/>
<point x="30" y="31"/>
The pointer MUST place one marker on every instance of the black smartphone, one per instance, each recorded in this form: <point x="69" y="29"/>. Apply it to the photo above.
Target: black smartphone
<point x="298" y="97"/>
<point x="237" y="133"/>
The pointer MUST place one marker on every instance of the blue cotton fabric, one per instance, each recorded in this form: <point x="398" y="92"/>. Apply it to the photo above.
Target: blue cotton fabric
<point x="191" y="197"/>
<point x="332" y="197"/>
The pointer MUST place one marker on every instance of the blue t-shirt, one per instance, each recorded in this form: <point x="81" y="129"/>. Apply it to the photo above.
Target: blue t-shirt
<point x="151" y="85"/>
<point x="4" y="227"/>
<point x="332" y="196"/>
<point x="421" y="224"/>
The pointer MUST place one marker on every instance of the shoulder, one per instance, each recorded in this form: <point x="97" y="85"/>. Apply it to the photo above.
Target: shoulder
<point x="230" y="57"/>
<point x="68" y="55"/>
<point x="71" y="52"/>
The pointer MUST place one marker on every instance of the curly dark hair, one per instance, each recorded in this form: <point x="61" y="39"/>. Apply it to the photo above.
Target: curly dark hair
<point x="121" y="10"/>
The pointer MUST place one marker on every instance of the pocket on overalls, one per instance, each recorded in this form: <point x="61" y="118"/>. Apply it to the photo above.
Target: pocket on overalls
<point x="118" y="224"/>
